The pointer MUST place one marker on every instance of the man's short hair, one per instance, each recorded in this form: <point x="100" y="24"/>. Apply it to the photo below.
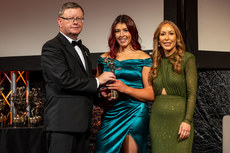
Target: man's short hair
<point x="69" y="5"/>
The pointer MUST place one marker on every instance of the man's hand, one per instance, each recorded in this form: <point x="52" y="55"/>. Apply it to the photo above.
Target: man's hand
<point x="106" y="93"/>
<point x="105" y="77"/>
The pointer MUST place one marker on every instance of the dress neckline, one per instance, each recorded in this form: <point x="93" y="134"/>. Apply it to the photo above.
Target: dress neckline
<point x="128" y="59"/>
<point x="131" y="59"/>
<point x="167" y="57"/>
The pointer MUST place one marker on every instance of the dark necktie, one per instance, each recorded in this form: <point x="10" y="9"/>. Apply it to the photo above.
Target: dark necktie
<point x="76" y="43"/>
<point x="79" y="43"/>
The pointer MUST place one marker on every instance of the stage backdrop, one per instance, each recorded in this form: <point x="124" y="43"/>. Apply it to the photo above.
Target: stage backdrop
<point x="27" y="24"/>
<point x="213" y="25"/>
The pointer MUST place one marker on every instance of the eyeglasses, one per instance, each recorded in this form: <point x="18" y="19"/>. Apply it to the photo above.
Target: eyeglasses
<point x="78" y="19"/>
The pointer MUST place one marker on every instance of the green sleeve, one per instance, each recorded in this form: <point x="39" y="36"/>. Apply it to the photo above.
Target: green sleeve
<point x="191" y="84"/>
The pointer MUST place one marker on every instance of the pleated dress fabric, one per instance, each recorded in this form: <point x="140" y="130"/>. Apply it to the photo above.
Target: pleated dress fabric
<point x="169" y="111"/>
<point x="127" y="115"/>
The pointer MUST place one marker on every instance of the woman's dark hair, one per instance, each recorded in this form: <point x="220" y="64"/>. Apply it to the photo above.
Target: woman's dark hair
<point x="113" y="45"/>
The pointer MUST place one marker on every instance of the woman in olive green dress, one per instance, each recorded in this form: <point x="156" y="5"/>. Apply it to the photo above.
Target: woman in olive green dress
<point x="174" y="78"/>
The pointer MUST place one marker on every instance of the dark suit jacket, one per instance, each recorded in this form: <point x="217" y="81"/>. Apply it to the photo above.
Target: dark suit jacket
<point x="69" y="87"/>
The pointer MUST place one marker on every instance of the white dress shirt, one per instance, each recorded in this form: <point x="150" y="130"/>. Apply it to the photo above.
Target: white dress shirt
<point x="79" y="52"/>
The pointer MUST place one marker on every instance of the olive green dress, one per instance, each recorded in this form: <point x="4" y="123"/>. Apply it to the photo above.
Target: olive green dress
<point x="169" y="111"/>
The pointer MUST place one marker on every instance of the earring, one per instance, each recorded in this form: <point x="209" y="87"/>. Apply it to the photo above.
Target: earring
<point x="159" y="45"/>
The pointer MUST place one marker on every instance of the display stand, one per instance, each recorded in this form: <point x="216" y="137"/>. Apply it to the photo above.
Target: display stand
<point x="22" y="140"/>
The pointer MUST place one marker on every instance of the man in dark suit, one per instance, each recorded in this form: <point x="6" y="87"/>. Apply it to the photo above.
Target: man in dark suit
<point x="70" y="85"/>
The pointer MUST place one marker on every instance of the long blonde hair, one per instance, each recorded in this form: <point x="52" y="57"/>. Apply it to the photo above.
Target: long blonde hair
<point x="158" y="52"/>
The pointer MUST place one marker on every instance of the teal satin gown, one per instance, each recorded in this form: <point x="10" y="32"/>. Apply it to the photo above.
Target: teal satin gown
<point x="127" y="115"/>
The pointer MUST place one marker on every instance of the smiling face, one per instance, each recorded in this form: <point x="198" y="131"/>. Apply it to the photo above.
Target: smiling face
<point x="69" y="28"/>
<point x="167" y="39"/>
<point x="122" y="35"/>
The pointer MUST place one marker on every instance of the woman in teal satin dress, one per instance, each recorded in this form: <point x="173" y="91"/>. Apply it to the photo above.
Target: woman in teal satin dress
<point x="125" y="124"/>
<point x="174" y="78"/>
